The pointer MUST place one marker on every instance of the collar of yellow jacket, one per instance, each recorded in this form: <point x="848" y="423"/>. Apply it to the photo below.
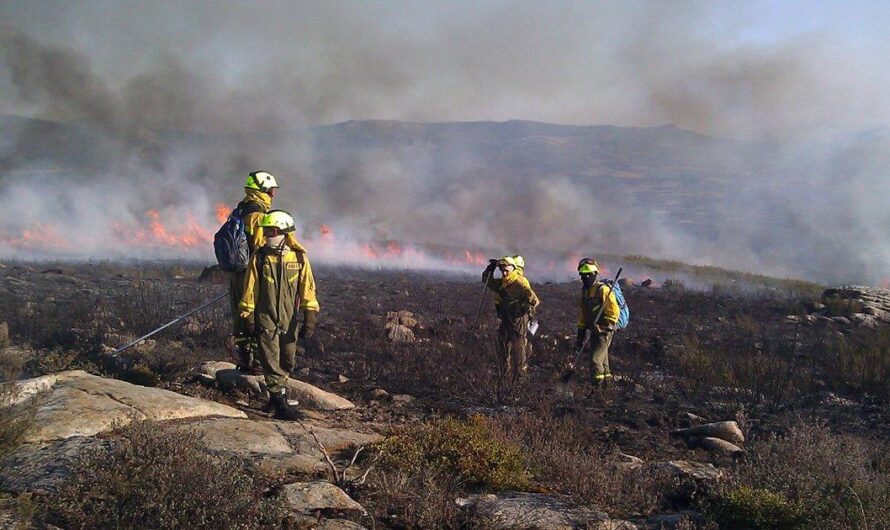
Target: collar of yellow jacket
<point x="511" y="277"/>
<point x="258" y="196"/>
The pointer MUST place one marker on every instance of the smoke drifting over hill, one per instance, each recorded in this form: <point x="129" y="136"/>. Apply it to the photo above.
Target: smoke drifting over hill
<point x="171" y="105"/>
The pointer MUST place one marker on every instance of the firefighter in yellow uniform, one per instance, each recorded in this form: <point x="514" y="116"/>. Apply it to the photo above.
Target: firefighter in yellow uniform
<point x="596" y="296"/>
<point x="278" y="285"/>
<point x="515" y="302"/>
<point x="258" y="193"/>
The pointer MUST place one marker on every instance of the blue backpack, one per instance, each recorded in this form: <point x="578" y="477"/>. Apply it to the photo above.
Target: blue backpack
<point x="230" y="242"/>
<point x="624" y="311"/>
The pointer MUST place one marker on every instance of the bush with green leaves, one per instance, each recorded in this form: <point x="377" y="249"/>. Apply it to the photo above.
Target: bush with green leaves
<point x="836" y="481"/>
<point x="474" y="450"/>
<point x="747" y="508"/>
<point x="154" y="476"/>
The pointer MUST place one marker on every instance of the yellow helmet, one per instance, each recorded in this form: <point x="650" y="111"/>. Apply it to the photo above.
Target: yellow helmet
<point x="588" y="266"/>
<point x="512" y="260"/>
<point x="278" y="219"/>
<point x="261" y="180"/>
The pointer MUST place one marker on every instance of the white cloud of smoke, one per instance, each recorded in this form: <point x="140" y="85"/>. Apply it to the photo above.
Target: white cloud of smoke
<point x="134" y="75"/>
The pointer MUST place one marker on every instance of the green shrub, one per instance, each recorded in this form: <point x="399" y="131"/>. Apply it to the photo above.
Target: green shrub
<point x="827" y="475"/>
<point x="154" y="476"/>
<point x="748" y="508"/>
<point x="473" y="450"/>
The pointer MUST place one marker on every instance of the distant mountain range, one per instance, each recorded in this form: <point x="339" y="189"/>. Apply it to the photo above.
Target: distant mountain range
<point x="789" y="207"/>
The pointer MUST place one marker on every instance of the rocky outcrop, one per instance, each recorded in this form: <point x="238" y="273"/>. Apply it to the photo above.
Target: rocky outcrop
<point x="849" y="307"/>
<point x="76" y="403"/>
<point x="42" y="468"/>
<point x="227" y="378"/>
<point x="723" y="437"/>
<point x="399" y="326"/>
<point x="534" y="511"/>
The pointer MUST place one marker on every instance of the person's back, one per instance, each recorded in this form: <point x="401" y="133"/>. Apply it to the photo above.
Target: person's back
<point x="259" y="189"/>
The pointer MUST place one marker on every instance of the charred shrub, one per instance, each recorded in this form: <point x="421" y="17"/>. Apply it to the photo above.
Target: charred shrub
<point x="157" y="477"/>
<point x="421" y="499"/>
<point x="475" y="450"/>
<point x="861" y="364"/>
<point x="842" y="307"/>
<point x="566" y="458"/>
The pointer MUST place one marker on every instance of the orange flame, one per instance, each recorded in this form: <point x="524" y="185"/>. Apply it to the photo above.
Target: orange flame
<point x="222" y="212"/>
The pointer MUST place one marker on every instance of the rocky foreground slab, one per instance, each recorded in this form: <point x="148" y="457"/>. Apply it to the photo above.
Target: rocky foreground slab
<point x="76" y="403"/>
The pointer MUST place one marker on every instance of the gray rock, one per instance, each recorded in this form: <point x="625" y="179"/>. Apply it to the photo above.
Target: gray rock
<point x="42" y="468"/>
<point x="514" y="510"/>
<point x="309" y="498"/>
<point x="725" y="430"/>
<point x="308" y="395"/>
<point x="686" y="469"/>
<point x="403" y="398"/>
<point x="76" y="403"/>
<point x="716" y="445"/>
<point x="240" y="436"/>
<point x="212" y="367"/>
<point x="399" y="333"/>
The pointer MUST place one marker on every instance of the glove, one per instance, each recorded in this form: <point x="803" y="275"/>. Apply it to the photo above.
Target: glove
<point x="492" y="265"/>
<point x="310" y="320"/>
<point x="605" y="328"/>
<point x="245" y="314"/>
<point x="579" y="339"/>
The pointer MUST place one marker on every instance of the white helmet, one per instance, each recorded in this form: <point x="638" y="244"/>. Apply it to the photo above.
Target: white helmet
<point x="261" y="180"/>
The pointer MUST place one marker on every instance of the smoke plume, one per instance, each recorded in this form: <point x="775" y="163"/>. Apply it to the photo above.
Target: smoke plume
<point x="156" y="111"/>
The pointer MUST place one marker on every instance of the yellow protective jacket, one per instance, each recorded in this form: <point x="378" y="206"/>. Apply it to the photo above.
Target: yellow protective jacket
<point x="514" y="296"/>
<point x="591" y="300"/>
<point x="276" y="286"/>
<point x="253" y="219"/>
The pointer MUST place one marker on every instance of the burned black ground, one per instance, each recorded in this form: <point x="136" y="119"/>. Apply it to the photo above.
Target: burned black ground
<point x="717" y="354"/>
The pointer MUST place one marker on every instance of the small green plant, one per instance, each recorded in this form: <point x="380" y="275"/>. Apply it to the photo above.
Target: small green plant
<point x="473" y="449"/>
<point x="747" y="508"/>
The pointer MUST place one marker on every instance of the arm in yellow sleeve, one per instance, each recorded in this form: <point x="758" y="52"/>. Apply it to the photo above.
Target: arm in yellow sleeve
<point x="306" y="287"/>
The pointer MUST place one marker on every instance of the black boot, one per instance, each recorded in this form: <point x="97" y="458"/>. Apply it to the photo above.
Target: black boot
<point x="282" y="409"/>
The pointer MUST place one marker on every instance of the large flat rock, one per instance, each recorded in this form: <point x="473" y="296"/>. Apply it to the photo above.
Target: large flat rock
<point x="535" y="511"/>
<point x="76" y="403"/>
<point x="282" y="446"/>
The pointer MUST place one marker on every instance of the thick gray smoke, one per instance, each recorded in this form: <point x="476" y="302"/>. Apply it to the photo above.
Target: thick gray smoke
<point x="168" y="105"/>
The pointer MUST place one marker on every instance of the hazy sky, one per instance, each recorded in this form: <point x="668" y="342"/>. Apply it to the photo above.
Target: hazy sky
<point x="723" y="67"/>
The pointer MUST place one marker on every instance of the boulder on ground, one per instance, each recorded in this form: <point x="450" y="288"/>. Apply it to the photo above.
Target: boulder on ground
<point x="309" y="396"/>
<point x="311" y="498"/>
<point x="687" y="469"/>
<point x="725" y="430"/>
<point x="716" y="445"/>
<point x="514" y="510"/>
<point x="404" y="318"/>
<point x="399" y="333"/>
<point x="76" y="403"/>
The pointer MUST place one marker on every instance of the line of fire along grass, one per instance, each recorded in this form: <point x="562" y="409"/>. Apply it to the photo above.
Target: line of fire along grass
<point x="717" y="275"/>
